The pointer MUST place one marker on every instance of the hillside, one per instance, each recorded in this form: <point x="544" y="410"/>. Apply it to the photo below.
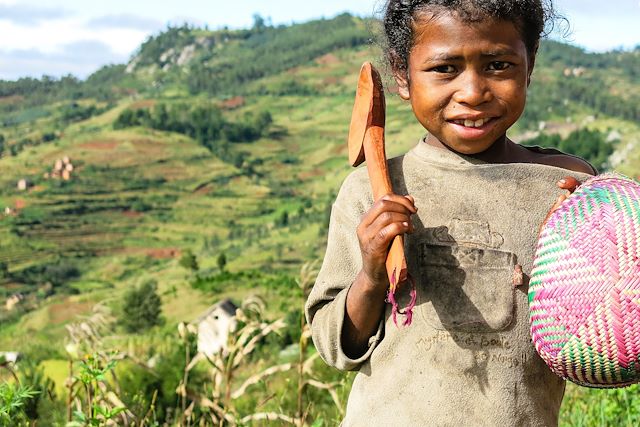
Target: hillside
<point x="224" y="144"/>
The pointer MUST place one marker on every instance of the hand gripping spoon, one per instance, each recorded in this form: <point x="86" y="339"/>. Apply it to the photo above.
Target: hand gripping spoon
<point x="366" y="142"/>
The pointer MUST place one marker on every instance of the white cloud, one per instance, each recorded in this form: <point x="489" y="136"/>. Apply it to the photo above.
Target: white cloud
<point x="597" y="9"/>
<point x="78" y="58"/>
<point x="24" y="14"/>
<point x="125" y="21"/>
<point x="50" y="36"/>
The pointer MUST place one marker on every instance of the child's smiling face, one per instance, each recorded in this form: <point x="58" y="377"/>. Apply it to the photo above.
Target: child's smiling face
<point x="467" y="82"/>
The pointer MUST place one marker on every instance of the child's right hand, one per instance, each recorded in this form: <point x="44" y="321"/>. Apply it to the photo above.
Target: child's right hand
<point x="568" y="183"/>
<point x="389" y="217"/>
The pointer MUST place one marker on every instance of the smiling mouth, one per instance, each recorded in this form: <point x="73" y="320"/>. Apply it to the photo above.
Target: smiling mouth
<point x="472" y="123"/>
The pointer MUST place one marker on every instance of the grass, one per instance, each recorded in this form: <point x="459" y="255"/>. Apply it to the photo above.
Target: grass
<point x="58" y="371"/>
<point x="584" y="407"/>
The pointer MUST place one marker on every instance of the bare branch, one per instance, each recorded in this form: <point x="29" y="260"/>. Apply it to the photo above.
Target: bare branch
<point x="272" y="327"/>
<point x="308" y="274"/>
<point x="247" y="332"/>
<point x="203" y="401"/>
<point x="197" y="358"/>
<point x="260" y="376"/>
<point x="269" y="416"/>
<point x="307" y="367"/>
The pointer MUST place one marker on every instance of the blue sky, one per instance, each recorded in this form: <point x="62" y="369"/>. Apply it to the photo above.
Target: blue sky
<point x="58" y="37"/>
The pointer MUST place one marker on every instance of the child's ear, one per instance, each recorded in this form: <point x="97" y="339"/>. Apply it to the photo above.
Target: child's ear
<point x="403" y="84"/>
<point x="400" y="74"/>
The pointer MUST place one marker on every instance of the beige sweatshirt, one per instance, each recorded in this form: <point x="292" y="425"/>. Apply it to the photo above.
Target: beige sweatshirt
<point x="467" y="358"/>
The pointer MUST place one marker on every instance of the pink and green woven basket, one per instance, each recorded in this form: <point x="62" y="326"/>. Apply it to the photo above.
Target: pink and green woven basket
<point x="584" y="292"/>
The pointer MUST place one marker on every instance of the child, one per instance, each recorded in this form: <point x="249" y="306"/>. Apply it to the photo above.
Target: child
<point x="475" y="202"/>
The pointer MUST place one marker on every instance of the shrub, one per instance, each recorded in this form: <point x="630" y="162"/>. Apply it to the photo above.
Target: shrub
<point x="591" y="145"/>
<point x="13" y="399"/>
<point x="142" y="308"/>
<point x="189" y="261"/>
<point x="222" y="261"/>
<point x="58" y="274"/>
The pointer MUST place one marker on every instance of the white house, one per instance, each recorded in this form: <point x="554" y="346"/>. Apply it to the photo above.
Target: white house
<point x="213" y="327"/>
<point x="24" y="185"/>
<point x="13" y="301"/>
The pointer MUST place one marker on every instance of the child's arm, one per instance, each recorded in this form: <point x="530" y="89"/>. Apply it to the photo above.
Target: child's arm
<point x="343" y="276"/>
<point x="388" y="217"/>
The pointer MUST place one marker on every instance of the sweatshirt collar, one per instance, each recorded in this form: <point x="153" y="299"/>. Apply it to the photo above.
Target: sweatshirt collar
<point x="441" y="155"/>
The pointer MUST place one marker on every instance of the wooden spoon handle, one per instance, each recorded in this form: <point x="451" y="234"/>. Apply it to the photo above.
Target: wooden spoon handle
<point x="377" y="162"/>
<point x="381" y="184"/>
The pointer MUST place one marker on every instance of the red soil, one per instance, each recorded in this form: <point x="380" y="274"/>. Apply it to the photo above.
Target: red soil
<point x="145" y="103"/>
<point x="232" y="103"/>
<point x="132" y="214"/>
<point x="100" y="144"/>
<point x="328" y="59"/>
<point x="163" y="253"/>
<point x="67" y="310"/>
<point x="12" y="99"/>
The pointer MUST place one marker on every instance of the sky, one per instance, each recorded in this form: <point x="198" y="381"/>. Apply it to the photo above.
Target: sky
<point x="59" y="37"/>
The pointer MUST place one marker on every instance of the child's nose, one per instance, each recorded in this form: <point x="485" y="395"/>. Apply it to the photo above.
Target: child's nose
<point x="473" y="89"/>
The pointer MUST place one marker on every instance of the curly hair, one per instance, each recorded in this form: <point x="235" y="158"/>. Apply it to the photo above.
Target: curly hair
<point x="530" y="17"/>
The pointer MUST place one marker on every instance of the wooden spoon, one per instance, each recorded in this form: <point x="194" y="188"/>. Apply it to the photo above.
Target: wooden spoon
<point x="366" y="142"/>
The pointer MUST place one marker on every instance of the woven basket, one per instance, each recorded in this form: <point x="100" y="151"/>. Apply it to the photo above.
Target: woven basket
<point x="584" y="293"/>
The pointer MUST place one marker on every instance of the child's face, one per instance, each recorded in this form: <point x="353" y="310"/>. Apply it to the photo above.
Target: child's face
<point x="467" y="83"/>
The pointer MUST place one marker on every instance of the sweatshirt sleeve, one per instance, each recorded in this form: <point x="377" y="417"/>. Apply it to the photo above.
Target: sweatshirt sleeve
<point x="326" y="305"/>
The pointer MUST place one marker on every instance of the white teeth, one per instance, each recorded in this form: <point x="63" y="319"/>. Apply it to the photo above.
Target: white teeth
<point x="471" y="123"/>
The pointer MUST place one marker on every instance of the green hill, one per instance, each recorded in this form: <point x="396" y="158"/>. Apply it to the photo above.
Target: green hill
<point x="229" y="142"/>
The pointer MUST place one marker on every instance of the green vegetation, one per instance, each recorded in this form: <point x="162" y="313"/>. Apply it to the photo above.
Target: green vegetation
<point x="205" y="169"/>
<point x="266" y="51"/>
<point x="204" y="123"/>
<point x="222" y="261"/>
<point x="189" y="261"/>
<point x="591" y="145"/>
<point x="141" y="308"/>
<point x="567" y="80"/>
<point x="12" y="402"/>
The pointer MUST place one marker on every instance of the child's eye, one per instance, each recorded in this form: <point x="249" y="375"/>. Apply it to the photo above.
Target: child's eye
<point x="445" y="69"/>
<point x="499" y="65"/>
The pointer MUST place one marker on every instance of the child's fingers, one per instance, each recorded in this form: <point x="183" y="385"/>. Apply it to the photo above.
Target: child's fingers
<point x="555" y="206"/>
<point x="387" y="218"/>
<point x="388" y="203"/>
<point x="378" y="229"/>
<point x="406" y="201"/>
<point x="568" y="183"/>
<point x="382" y="237"/>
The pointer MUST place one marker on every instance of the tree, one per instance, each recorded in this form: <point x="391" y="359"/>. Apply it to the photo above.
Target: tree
<point x="262" y="121"/>
<point x="4" y="270"/>
<point x="160" y="117"/>
<point x="189" y="261"/>
<point x="258" y="22"/>
<point x="142" y="307"/>
<point x="125" y="119"/>
<point x="283" y="221"/>
<point x="222" y="261"/>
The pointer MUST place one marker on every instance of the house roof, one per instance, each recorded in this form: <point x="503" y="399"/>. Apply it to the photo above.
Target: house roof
<point x="226" y="305"/>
